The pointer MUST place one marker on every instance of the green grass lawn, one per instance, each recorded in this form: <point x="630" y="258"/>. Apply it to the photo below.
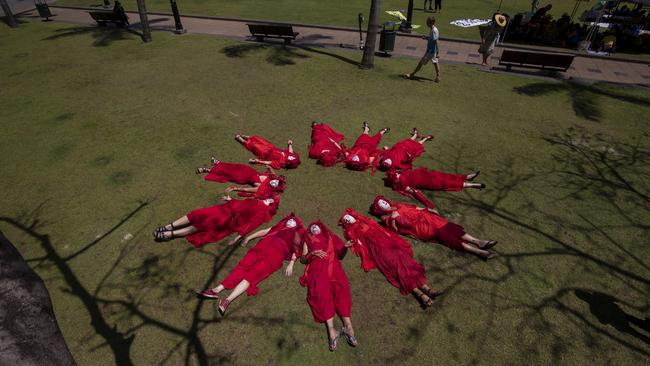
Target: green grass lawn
<point x="344" y="12"/>
<point x="101" y="135"/>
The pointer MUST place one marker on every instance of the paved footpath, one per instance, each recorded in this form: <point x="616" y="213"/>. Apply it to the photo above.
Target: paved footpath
<point x="451" y="51"/>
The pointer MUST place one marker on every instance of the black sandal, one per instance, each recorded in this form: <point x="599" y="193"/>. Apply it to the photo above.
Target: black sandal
<point x="213" y="160"/>
<point x="474" y="175"/>
<point x="161" y="229"/>
<point x="202" y="170"/>
<point x="365" y="125"/>
<point x="384" y="130"/>
<point x="425" y="300"/>
<point x="159" y="236"/>
<point x="488" y="245"/>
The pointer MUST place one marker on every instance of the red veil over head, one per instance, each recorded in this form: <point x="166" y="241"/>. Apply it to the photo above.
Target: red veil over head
<point x="376" y="210"/>
<point x="334" y="246"/>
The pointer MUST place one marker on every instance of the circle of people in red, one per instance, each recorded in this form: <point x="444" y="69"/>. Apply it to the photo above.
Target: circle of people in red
<point x="379" y="244"/>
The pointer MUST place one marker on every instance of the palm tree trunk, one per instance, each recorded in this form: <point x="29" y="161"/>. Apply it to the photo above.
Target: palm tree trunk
<point x="144" y="21"/>
<point x="9" y="16"/>
<point x="368" y="60"/>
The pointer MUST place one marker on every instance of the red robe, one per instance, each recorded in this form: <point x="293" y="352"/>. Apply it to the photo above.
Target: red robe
<point x="265" y="150"/>
<point x="328" y="289"/>
<point x="401" y="155"/>
<point x="426" y="226"/>
<point x="322" y="148"/>
<point x="365" y="148"/>
<point x="244" y="174"/>
<point x="266" y="256"/>
<point x="217" y="222"/>
<point x="383" y="249"/>
<point x="235" y="173"/>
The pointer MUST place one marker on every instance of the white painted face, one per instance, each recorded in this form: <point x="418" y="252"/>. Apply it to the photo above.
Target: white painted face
<point x="314" y="229"/>
<point x="383" y="205"/>
<point x="348" y="219"/>
<point x="388" y="162"/>
<point x="355" y="158"/>
<point x="274" y="183"/>
<point x="268" y="201"/>
<point x="291" y="157"/>
<point x="291" y="223"/>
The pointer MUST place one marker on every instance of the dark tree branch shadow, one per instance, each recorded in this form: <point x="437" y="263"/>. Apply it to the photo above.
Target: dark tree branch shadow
<point x="585" y="99"/>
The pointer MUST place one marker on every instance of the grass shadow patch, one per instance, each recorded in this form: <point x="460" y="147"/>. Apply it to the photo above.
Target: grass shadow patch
<point x="61" y="151"/>
<point x="276" y="55"/>
<point x="102" y="161"/>
<point x="64" y="117"/>
<point x="120" y="178"/>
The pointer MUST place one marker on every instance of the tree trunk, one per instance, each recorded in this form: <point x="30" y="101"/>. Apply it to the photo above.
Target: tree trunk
<point x="368" y="60"/>
<point x="9" y="16"/>
<point x="144" y="21"/>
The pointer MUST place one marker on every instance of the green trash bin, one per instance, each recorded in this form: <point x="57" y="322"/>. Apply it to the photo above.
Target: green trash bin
<point x="387" y="38"/>
<point x="43" y="10"/>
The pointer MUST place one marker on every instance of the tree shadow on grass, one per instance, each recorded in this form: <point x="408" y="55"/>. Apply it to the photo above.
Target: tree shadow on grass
<point x="280" y="55"/>
<point x="103" y="36"/>
<point x="276" y="55"/>
<point x="584" y="167"/>
<point x="129" y="305"/>
<point x="585" y="99"/>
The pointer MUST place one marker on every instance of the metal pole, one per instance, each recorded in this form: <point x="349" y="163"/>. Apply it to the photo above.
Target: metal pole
<point x="499" y="8"/>
<point x="177" y="18"/>
<point x="9" y="16"/>
<point x="360" y="18"/>
<point x="406" y="26"/>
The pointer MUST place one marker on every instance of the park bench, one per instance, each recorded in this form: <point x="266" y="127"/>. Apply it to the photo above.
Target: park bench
<point x="283" y="31"/>
<point x="536" y="60"/>
<point x="103" y="17"/>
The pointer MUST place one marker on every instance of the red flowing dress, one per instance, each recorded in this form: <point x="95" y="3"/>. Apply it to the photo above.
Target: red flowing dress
<point x="426" y="226"/>
<point x="364" y="148"/>
<point x="401" y="155"/>
<point x="217" y="222"/>
<point x="383" y="249"/>
<point x="328" y="289"/>
<point x="322" y="148"/>
<point x="266" y="256"/>
<point x="424" y="179"/>
<point x="235" y="173"/>
<point x="265" y="150"/>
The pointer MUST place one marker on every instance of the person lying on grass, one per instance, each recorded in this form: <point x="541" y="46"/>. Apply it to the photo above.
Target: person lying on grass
<point x="328" y="288"/>
<point x="261" y="184"/>
<point x="268" y="154"/>
<point x="212" y="224"/>
<point x="402" y="154"/>
<point x="364" y="152"/>
<point x="385" y="250"/>
<point x="423" y="224"/>
<point x="279" y="243"/>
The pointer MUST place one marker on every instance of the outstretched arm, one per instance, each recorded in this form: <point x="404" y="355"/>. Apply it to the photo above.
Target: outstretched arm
<point x="242" y="189"/>
<point x="289" y="271"/>
<point x="335" y="143"/>
<point x="258" y="161"/>
<point x="255" y="235"/>
<point x="420" y="197"/>
<point x="303" y="257"/>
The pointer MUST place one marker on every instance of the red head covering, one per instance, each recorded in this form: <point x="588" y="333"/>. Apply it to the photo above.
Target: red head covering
<point x="376" y="210"/>
<point x="291" y="163"/>
<point x="350" y="232"/>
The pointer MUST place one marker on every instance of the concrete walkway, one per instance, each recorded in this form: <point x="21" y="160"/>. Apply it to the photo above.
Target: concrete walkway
<point x="451" y="51"/>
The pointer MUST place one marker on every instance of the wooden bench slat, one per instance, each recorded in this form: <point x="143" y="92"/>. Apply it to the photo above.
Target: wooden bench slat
<point x="273" y="31"/>
<point x="537" y="60"/>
